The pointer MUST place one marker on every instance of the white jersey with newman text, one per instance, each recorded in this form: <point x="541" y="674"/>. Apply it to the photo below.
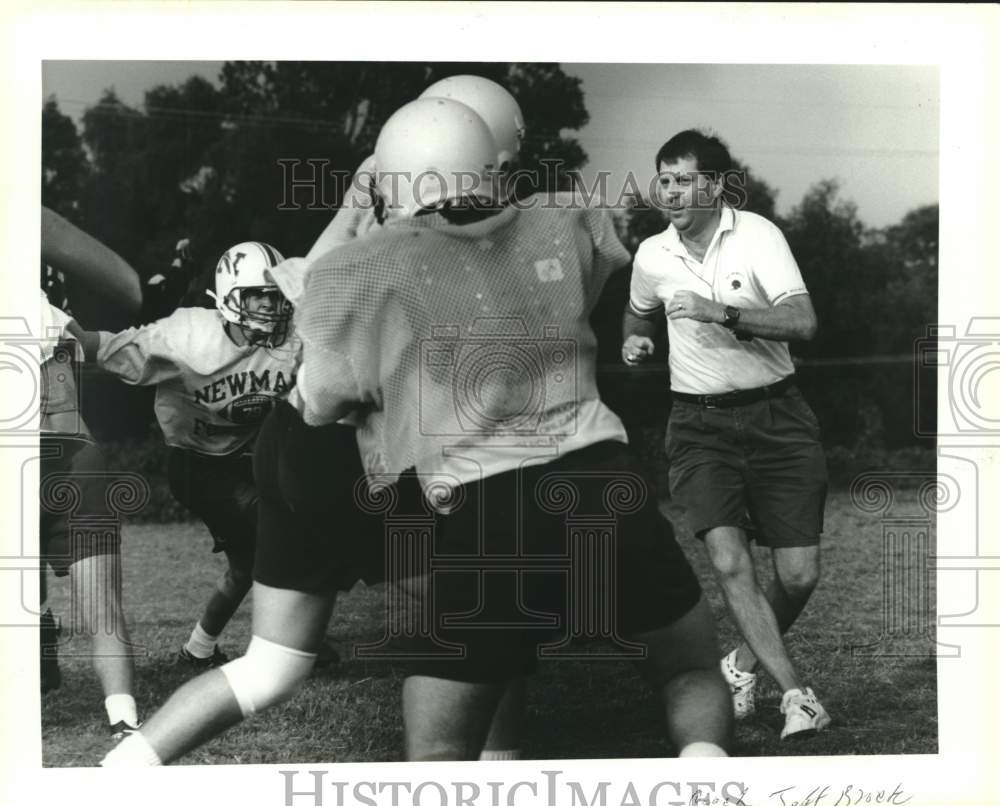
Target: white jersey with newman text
<point x="211" y="395"/>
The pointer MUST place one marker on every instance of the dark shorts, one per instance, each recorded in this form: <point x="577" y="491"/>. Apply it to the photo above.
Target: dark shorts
<point x="312" y="535"/>
<point x="548" y="561"/>
<point x="73" y="482"/>
<point x="763" y="460"/>
<point x="221" y="491"/>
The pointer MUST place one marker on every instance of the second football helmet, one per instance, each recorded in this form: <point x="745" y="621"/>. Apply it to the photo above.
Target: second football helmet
<point x="497" y="107"/>
<point x="247" y="296"/>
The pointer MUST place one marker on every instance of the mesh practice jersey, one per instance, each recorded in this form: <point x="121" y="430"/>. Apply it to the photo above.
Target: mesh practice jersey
<point x="471" y="344"/>
<point x="211" y="395"/>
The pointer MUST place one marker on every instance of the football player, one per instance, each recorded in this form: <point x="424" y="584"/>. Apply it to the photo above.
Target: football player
<point x="72" y="464"/>
<point x="450" y="255"/>
<point x="217" y="375"/>
<point x="362" y="212"/>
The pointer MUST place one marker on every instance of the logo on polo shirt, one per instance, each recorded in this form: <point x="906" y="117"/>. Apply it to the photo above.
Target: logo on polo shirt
<point x="549" y="271"/>
<point x="735" y="280"/>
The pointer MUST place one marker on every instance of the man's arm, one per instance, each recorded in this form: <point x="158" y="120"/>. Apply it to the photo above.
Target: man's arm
<point x="792" y="319"/>
<point x="90" y="340"/>
<point x="354" y="207"/>
<point x="144" y="356"/>
<point x="74" y="252"/>
<point x="638" y="333"/>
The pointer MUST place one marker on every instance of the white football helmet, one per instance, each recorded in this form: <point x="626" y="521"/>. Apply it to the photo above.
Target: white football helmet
<point x="492" y="103"/>
<point x="247" y="296"/>
<point x="431" y="151"/>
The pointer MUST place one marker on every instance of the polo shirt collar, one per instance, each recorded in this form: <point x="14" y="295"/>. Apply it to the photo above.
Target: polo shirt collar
<point x="672" y="239"/>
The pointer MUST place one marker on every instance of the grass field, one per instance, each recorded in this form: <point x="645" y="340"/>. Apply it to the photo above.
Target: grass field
<point x="597" y="709"/>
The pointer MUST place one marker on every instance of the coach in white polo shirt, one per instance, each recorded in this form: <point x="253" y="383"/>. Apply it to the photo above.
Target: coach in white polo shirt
<point x="741" y="440"/>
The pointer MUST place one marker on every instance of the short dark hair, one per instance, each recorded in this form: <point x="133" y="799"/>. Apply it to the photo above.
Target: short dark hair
<point x="708" y="151"/>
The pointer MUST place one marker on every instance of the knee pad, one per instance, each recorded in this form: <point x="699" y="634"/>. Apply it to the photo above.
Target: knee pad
<point x="268" y="674"/>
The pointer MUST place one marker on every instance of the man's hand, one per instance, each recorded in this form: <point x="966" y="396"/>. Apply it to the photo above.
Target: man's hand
<point x="688" y="305"/>
<point x="636" y="349"/>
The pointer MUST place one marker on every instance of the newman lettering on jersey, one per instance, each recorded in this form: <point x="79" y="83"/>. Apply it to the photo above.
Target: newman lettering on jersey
<point x="236" y="384"/>
<point x="210" y="392"/>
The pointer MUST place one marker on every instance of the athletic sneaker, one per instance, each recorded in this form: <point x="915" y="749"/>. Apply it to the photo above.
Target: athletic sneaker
<point x="804" y="715"/>
<point x="742" y="685"/>
<point x="121" y="729"/>
<point x="213" y="661"/>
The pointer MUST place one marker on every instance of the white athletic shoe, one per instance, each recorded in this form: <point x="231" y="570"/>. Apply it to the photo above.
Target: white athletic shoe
<point x="742" y="685"/>
<point x="803" y="713"/>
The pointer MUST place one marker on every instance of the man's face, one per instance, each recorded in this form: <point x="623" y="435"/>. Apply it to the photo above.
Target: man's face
<point x="261" y="307"/>
<point x="689" y="196"/>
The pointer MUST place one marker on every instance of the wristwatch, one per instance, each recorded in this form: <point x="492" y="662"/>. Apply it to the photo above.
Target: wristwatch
<point x="732" y="317"/>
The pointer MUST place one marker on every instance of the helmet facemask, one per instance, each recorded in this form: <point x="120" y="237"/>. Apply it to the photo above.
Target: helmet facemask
<point x="247" y="296"/>
<point x="261" y="313"/>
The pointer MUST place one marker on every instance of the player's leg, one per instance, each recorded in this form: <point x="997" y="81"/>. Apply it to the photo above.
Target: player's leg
<point x="202" y="649"/>
<point x="93" y="562"/>
<point x="221" y="491"/>
<point x="48" y="644"/>
<point x="796" y="574"/>
<point x="48" y="647"/>
<point x="503" y="742"/>
<point x="734" y="569"/>
<point x="96" y="584"/>
<point x="786" y="492"/>
<point x="708" y="462"/>
<point x="54" y="546"/>
<point x="683" y="664"/>
<point x="288" y="628"/>
<point x="230" y="591"/>
<point x="447" y="720"/>
<point x="450" y="704"/>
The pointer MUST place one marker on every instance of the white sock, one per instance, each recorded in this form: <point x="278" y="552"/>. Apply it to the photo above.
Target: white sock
<point x="703" y="750"/>
<point x="500" y="755"/>
<point x="201" y="644"/>
<point x="132" y="751"/>
<point x="121" y="708"/>
<point x="734" y="670"/>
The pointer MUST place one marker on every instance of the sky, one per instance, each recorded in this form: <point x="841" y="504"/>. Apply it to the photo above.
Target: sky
<point x="874" y="129"/>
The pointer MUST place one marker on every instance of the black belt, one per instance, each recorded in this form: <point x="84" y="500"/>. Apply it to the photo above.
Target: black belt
<point x="740" y="397"/>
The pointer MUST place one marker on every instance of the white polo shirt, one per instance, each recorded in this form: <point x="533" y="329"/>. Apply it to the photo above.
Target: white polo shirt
<point x="748" y="265"/>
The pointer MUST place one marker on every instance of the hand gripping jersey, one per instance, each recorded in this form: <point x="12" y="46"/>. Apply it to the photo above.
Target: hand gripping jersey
<point x="211" y="395"/>
<point x="470" y="343"/>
